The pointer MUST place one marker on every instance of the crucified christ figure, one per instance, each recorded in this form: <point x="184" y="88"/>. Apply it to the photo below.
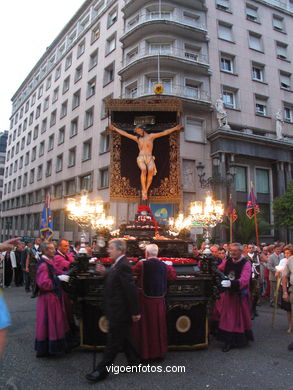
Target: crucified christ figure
<point x="145" y="159"/>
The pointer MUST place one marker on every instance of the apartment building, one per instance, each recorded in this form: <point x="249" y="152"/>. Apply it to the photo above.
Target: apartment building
<point x="199" y="50"/>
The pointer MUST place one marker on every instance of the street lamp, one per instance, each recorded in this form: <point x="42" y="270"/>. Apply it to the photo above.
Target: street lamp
<point x="216" y="179"/>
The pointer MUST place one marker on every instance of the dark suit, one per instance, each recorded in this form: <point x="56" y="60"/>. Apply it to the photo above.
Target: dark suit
<point x="121" y="303"/>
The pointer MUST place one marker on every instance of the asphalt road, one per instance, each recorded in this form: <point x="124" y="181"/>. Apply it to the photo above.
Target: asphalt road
<point x="266" y="364"/>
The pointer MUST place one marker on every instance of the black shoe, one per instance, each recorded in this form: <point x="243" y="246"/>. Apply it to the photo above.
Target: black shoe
<point x="33" y="295"/>
<point x="96" y="376"/>
<point x="226" y="348"/>
<point x="290" y="347"/>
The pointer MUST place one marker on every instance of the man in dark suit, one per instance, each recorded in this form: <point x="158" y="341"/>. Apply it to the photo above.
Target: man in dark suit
<point x="121" y="309"/>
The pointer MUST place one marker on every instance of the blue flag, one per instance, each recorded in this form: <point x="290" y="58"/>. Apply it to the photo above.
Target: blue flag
<point x="252" y="207"/>
<point x="46" y="227"/>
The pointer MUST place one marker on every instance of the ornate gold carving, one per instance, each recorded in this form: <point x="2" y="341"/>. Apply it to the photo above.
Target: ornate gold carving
<point x="158" y="103"/>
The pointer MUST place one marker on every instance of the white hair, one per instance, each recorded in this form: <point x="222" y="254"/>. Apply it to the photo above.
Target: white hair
<point x="152" y="250"/>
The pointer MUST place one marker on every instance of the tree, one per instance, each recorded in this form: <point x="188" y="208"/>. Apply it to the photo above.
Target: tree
<point x="283" y="208"/>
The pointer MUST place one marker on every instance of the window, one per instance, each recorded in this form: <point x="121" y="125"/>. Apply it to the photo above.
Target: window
<point x="31" y="118"/>
<point x="91" y="87"/>
<point x="112" y="17"/>
<point x="104" y="178"/>
<point x="255" y="41"/>
<point x="42" y="148"/>
<point x="51" y="142"/>
<point x="262" y="181"/>
<point x="19" y="182"/>
<point x="24" y="180"/>
<point x="34" y="153"/>
<point x="24" y="124"/>
<point x="49" y="168"/>
<point x="48" y="82"/>
<point x="229" y="98"/>
<point x="87" y="150"/>
<point x="71" y="157"/>
<point x="131" y="55"/>
<point x="89" y="118"/>
<point x="86" y="182"/>
<point x="241" y="179"/>
<point x="58" y="73"/>
<point x="104" y="142"/>
<point x="225" y="31"/>
<point x="70" y="187"/>
<point x="258" y="72"/>
<point x="19" y="130"/>
<point x="191" y="88"/>
<point x="167" y="82"/>
<point x="223" y="4"/>
<point x="78" y="73"/>
<point x="261" y="105"/>
<point x="15" y="166"/>
<point x="32" y="175"/>
<point x="13" y="188"/>
<point x="93" y="59"/>
<point x="227" y="63"/>
<point x="22" y="144"/>
<point x="109" y="73"/>
<point x="74" y="127"/>
<point x="33" y="99"/>
<point x="278" y="23"/>
<point x="27" y="105"/>
<point x="194" y="130"/>
<point x="76" y="99"/>
<point x="17" y="148"/>
<point x="29" y="138"/>
<point x="36" y="132"/>
<point x="59" y="163"/>
<point x="40" y="94"/>
<point x="61" y="135"/>
<point x="131" y="90"/>
<point x="66" y="84"/>
<point x="285" y="80"/>
<point x="80" y="48"/>
<point x="12" y="152"/>
<point x="55" y="95"/>
<point x="95" y="33"/>
<point x="38" y="111"/>
<point x="251" y="12"/>
<point x="68" y="61"/>
<point x="189" y="18"/>
<point x="14" y="135"/>
<point x="281" y="49"/>
<point x="160" y="48"/>
<point x="40" y="172"/>
<point x="63" y="112"/>
<point x="111" y="44"/>
<point x="53" y="118"/>
<point x="44" y="125"/>
<point x="288" y="113"/>
<point x="27" y="158"/>
<point x="46" y="104"/>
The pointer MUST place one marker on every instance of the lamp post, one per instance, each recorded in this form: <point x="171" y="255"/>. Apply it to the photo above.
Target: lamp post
<point x="88" y="214"/>
<point x="207" y="215"/>
<point x="216" y="178"/>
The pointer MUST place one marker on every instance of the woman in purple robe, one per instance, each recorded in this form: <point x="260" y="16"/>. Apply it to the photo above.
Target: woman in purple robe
<point x="50" y="324"/>
<point x="234" y="327"/>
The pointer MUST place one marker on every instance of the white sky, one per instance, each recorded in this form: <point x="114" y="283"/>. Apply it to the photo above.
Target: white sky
<point x="27" y="27"/>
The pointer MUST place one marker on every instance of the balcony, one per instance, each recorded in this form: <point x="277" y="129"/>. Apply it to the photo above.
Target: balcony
<point x="194" y="95"/>
<point x="135" y="61"/>
<point x="131" y="6"/>
<point x="165" y="23"/>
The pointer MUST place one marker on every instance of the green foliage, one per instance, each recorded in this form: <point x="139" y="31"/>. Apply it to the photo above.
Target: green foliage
<point x="283" y="208"/>
<point x="244" y="228"/>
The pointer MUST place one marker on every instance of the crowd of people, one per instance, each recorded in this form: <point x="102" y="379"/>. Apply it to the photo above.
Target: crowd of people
<point x="135" y="305"/>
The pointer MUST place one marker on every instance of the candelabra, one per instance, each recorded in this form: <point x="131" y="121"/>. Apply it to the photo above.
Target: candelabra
<point x="179" y="223"/>
<point x="88" y="214"/>
<point x="207" y="215"/>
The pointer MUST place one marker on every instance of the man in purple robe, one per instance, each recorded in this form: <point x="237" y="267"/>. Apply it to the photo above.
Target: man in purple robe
<point x="50" y="325"/>
<point x="234" y="327"/>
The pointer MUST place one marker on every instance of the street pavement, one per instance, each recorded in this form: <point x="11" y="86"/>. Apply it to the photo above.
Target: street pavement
<point x="265" y="365"/>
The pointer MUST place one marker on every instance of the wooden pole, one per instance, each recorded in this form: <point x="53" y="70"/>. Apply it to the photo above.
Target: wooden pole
<point x="256" y="227"/>
<point x="231" y="229"/>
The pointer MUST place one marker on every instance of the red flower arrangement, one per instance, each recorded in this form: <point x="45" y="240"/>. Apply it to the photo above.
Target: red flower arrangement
<point x="142" y="208"/>
<point x="174" y="260"/>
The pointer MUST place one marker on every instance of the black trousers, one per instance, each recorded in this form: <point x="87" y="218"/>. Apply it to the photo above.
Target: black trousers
<point x="119" y="340"/>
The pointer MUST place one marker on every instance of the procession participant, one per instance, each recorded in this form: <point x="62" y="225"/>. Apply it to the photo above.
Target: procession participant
<point x="50" y="325"/>
<point x="285" y="304"/>
<point x="274" y="260"/>
<point x="264" y="272"/>
<point x="32" y="259"/>
<point x="255" y="285"/>
<point x="145" y="159"/>
<point x="18" y="274"/>
<point x="150" y="332"/>
<point x="9" y="264"/>
<point x="234" y="317"/>
<point x="24" y="254"/>
<point x="287" y="280"/>
<point x="75" y="248"/>
<point x="121" y="309"/>
<point x="215" y="252"/>
<point x="62" y="260"/>
<point x="195" y="252"/>
<point x="222" y="254"/>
